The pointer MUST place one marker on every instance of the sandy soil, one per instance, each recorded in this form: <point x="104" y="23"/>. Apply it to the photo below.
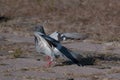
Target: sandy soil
<point x="99" y="19"/>
<point x="30" y="65"/>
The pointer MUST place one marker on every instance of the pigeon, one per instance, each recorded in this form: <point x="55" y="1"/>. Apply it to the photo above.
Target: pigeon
<point x="52" y="47"/>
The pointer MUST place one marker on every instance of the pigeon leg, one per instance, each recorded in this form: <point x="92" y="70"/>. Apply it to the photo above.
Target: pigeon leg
<point x="49" y="63"/>
<point x="47" y="58"/>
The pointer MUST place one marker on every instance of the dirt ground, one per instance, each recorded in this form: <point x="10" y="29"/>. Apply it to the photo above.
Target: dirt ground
<point x="19" y="61"/>
<point x="98" y="19"/>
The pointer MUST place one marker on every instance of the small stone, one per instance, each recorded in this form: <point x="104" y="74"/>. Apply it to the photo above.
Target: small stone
<point x="10" y="51"/>
<point x="38" y="59"/>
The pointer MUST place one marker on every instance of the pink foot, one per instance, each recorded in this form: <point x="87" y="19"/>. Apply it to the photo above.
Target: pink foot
<point x="47" y="58"/>
<point x="48" y="64"/>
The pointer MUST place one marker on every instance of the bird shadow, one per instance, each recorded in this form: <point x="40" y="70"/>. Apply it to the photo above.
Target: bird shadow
<point x="83" y="62"/>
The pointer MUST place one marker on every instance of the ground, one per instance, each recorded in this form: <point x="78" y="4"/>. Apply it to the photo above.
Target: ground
<point x="98" y="19"/>
<point x="19" y="61"/>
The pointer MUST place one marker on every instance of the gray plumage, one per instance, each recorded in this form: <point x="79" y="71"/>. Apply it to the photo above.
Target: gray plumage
<point x="44" y="46"/>
<point x="58" y="36"/>
<point x="39" y="28"/>
<point x="52" y="47"/>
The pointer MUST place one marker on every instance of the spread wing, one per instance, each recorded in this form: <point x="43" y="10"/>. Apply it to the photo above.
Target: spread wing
<point x="62" y="49"/>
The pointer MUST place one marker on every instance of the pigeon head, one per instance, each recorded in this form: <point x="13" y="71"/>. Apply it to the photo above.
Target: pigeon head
<point x="39" y="28"/>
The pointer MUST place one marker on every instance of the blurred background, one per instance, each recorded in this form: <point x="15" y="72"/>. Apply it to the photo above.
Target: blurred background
<point x="100" y="19"/>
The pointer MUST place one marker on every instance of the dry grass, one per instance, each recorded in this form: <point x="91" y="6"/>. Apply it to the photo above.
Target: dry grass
<point x="98" y="18"/>
<point x="18" y="52"/>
